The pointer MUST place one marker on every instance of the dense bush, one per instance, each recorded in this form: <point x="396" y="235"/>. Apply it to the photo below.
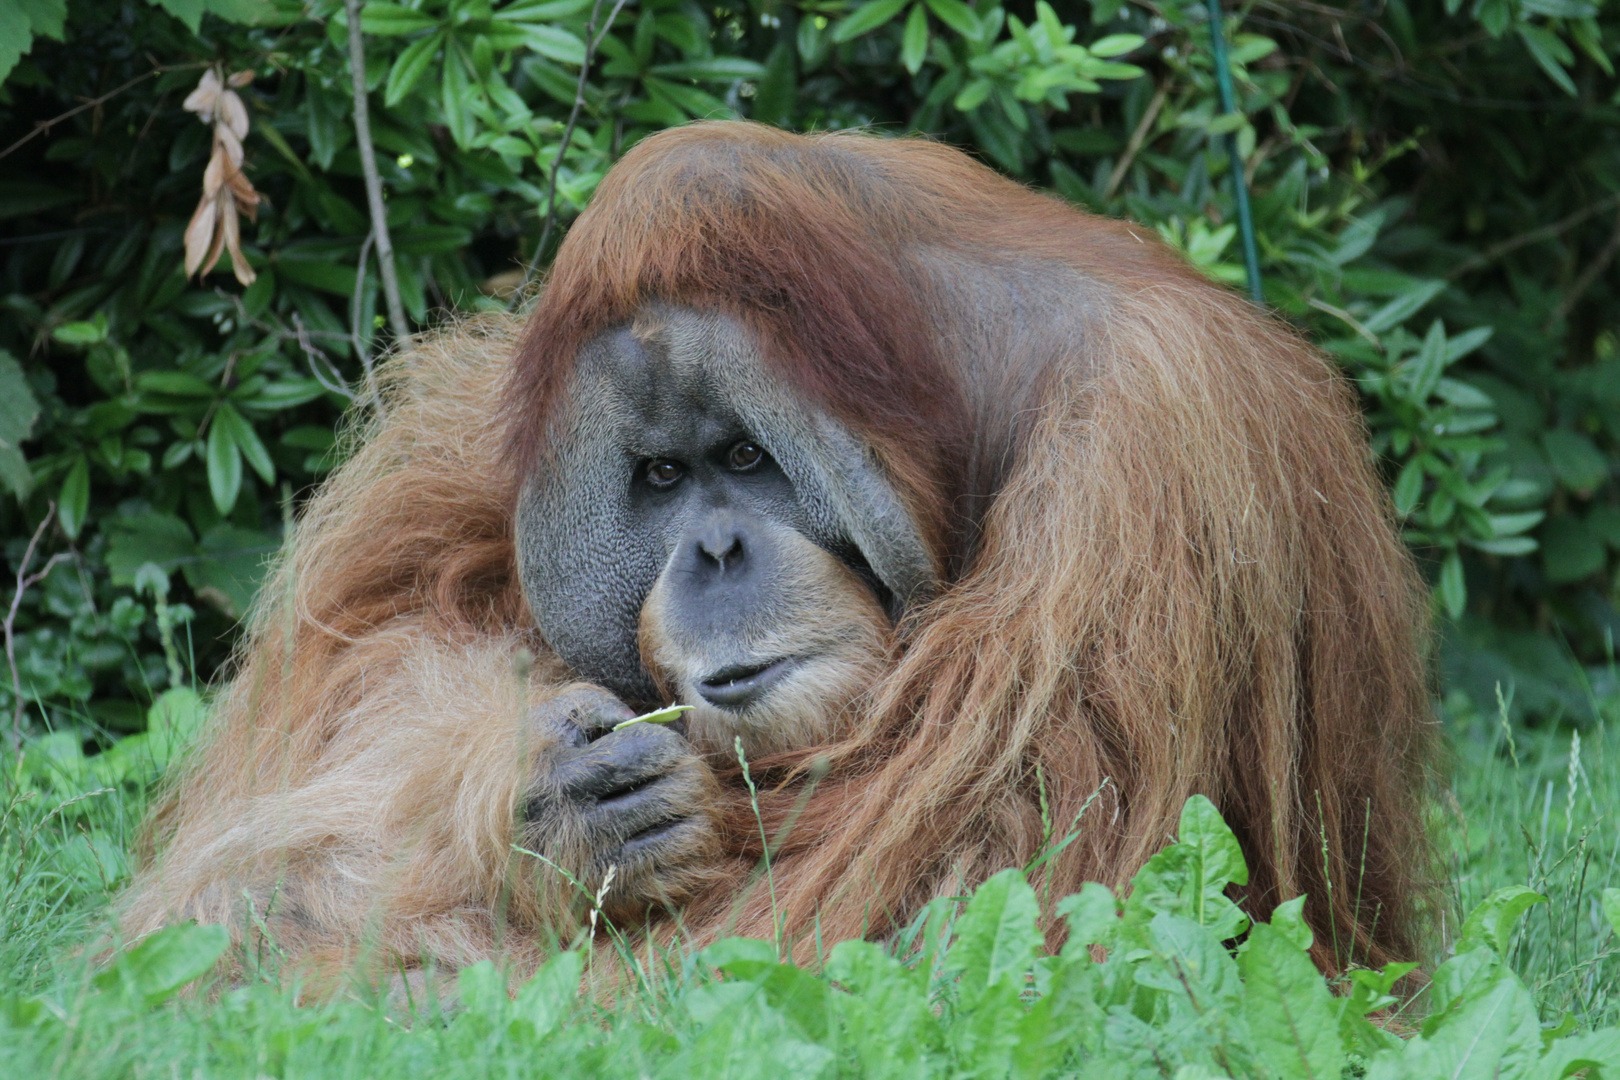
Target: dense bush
<point x="1436" y="193"/>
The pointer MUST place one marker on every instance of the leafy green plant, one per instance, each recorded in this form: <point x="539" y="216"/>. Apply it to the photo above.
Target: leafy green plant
<point x="1172" y="981"/>
<point x="1457" y="268"/>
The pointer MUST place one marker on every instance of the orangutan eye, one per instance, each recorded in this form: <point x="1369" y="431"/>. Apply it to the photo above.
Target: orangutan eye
<point x="744" y="456"/>
<point x="662" y="472"/>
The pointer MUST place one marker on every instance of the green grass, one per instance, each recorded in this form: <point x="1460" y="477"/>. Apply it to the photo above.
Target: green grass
<point x="1516" y="813"/>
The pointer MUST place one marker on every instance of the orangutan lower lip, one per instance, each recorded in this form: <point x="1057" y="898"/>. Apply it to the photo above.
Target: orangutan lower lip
<point x="736" y="686"/>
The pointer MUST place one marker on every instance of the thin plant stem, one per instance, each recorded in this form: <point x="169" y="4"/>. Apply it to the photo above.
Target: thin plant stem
<point x="25" y="581"/>
<point x="593" y="38"/>
<point x="368" y="165"/>
<point x="765" y="843"/>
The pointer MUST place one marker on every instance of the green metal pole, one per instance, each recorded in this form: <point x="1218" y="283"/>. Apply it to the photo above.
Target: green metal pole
<point x="1240" y="188"/>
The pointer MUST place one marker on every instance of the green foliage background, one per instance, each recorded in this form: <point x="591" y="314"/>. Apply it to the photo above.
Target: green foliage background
<point x="1436" y="189"/>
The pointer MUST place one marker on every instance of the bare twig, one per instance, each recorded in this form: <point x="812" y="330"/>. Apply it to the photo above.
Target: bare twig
<point x="355" y="336"/>
<point x="1138" y="137"/>
<point x="25" y="581"/>
<point x="1600" y="263"/>
<point x="368" y="164"/>
<point x="330" y="378"/>
<point x="1545" y="232"/>
<point x="42" y="126"/>
<point x="593" y="38"/>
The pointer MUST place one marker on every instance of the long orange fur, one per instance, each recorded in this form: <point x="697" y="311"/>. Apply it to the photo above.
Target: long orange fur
<point x="1186" y="581"/>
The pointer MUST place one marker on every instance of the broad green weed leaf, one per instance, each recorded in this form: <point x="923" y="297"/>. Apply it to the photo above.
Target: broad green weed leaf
<point x="886" y="1014"/>
<point x="1195" y="963"/>
<point x="1289" y="920"/>
<point x="1293" y="1018"/>
<point x="482" y="990"/>
<point x="1369" y="992"/>
<point x="727" y="953"/>
<point x="1189" y="877"/>
<point x="1490" y="925"/>
<point x="1596" y="1050"/>
<point x="548" y="998"/>
<point x="1485" y="1026"/>
<point x="171" y="722"/>
<point x="1093" y="916"/>
<point x="1611" y="908"/>
<point x="160" y="966"/>
<point x="997" y="937"/>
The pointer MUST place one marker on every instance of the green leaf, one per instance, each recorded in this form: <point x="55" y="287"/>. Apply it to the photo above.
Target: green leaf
<point x="134" y="541"/>
<point x="1408" y="487"/>
<point x="1461" y="394"/>
<point x="541" y="10"/>
<point x="47" y="17"/>
<point x="714" y="69"/>
<point x="224" y="468"/>
<point x="1092" y="914"/>
<point x="161" y="965"/>
<point x="1116" y="45"/>
<point x="16" y="37"/>
<point x="974" y="94"/>
<point x="1507" y="546"/>
<point x="408" y="70"/>
<point x="189" y="12"/>
<point x="1577" y="462"/>
<point x="171" y="723"/>
<point x="1611" y="908"/>
<point x="1430" y="363"/>
<point x="173" y="383"/>
<point x="73" y="503"/>
<point x="1570" y="550"/>
<point x="555" y="43"/>
<point x="549" y="998"/>
<point x="1403" y="306"/>
<point x="18" y="411"/>
<point x="1490" y="925"/>
<point x="866" y="18"/>
<point x="1189" y="878"/>
<point x="455" y="96"/>
<point x="1460" y="345"/>
<point x="1293" y="1018"/>
<point x="231" y="567"/>
<point x="997" y="937"/>
<point x="914" y="44"/>
<point x="81" y="334"/>
<point x="247" y="440"/>
<point x="958" y="16"/>
<point x="1453" y="588"/>
<point x="1550" y="53"/>
<point x="391" y="19"/>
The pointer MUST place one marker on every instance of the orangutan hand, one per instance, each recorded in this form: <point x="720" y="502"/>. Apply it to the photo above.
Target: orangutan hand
<point x="638" y="800"/>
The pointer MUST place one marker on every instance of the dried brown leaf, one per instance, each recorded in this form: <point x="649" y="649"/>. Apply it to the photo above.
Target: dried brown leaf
<point x="202" y="100"/>
<point x="200" y="233"/>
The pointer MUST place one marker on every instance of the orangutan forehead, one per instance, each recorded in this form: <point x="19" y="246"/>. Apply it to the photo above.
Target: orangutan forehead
<point x="675" y="376"/>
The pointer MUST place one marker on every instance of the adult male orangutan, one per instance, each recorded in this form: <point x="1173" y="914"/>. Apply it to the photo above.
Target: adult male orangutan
<point x="952" y="503"/>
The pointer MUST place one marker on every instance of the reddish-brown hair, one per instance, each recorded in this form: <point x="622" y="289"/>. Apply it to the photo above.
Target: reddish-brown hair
<point x="1170" y="570"/>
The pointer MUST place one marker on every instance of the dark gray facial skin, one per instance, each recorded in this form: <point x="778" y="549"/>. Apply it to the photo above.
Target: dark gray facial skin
<point x="681" y="455"/>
